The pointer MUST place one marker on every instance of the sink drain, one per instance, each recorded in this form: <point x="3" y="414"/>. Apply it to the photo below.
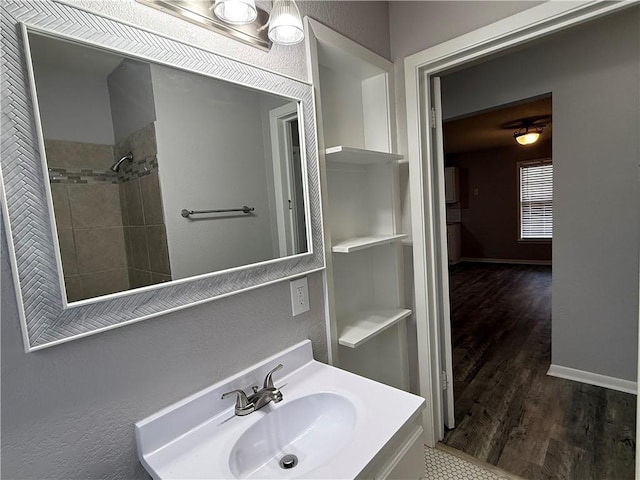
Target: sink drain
<point x="288" y="461"/>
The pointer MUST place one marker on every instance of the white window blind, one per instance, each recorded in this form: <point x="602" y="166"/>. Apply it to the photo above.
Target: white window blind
<point x="536" y="200"/>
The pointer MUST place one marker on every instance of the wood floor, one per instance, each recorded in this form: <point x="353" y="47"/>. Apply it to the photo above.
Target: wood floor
<point x="509" y="413"/>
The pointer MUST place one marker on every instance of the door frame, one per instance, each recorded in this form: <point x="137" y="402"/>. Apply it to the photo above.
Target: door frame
<point x="425" y="186"/>
<point x="282" y="158"/>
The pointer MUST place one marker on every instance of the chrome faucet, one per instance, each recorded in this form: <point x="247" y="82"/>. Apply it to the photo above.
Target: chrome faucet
<point x="259" y="398"/>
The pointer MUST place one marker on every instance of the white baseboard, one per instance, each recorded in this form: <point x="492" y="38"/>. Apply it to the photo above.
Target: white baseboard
<point x="593" y="379"/>
<point x="514" y="261"/>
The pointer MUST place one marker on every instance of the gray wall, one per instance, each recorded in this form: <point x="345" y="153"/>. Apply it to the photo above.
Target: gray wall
<point x="131" y="98"/>
<point x="595" y="87"/>
<point x="593" y="72"/>
<point x="211" y="155"/>
<point x="70" y="92"/>
<point x="418" y="25"/>
<point x="68" y="411"/>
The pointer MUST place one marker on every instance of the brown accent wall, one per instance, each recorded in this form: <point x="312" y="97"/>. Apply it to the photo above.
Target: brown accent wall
<point x="490" y="217"/>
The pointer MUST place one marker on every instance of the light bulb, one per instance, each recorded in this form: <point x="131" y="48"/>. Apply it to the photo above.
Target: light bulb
<point x="285" y="25"/>
<point x="528" y="138"/>
<point x="236" y="12"/>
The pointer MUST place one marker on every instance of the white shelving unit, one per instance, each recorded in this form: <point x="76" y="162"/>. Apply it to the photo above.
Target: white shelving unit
<point x="360" y="243"/>
<point x="359" y="156"/>
<point x="361" y="207"/>
<point x="367" y="324"/>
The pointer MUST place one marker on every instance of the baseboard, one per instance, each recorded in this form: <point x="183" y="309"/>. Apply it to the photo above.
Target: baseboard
<point x="514" y="261"/>
<point x="593" y="379"/>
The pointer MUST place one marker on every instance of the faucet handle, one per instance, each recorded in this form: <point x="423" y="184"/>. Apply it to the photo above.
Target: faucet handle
<point x="268" y="381"/>
<point x="243" y="406"/>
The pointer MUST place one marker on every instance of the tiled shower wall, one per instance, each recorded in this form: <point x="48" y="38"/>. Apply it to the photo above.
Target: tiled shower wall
<point x="86" y="202"/>
<point x="110" y="226"/>
<point x="142" y="212"/>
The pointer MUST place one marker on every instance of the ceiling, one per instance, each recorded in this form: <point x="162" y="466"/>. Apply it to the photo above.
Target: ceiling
<point x="483" y="131"/>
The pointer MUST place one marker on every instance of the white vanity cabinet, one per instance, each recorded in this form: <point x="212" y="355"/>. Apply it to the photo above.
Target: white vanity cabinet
<point x="402" y="457"/>
<point x="361" y="207"/>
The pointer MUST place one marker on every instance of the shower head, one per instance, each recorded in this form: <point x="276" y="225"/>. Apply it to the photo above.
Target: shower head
<point x="116" y="166"/>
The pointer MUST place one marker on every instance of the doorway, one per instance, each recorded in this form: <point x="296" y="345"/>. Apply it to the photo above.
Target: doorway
<point x="288" y="179"/>
<point x="428" y="213"/>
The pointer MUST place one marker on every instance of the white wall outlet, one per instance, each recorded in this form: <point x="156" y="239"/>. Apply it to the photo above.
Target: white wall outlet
<point x="299" y="296"/>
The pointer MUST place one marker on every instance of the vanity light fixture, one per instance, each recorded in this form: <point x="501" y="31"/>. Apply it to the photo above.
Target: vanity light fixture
<point x="241" y="20"/>
<point x="285" y="23"/>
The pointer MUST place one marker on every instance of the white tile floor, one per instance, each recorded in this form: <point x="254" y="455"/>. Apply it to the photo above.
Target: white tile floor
<point x="441" y="465"/>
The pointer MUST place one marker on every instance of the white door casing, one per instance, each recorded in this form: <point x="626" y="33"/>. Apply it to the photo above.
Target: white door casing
<point x="282" y="156"/>
<point x="444" y="314"/>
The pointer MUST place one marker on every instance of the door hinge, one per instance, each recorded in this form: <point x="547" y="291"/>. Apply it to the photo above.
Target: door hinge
<point x="433" y="117"/>
<point x="444" y="380"/>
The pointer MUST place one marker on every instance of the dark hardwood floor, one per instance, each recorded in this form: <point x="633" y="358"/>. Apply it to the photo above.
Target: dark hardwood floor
<point x="509" y="412"/>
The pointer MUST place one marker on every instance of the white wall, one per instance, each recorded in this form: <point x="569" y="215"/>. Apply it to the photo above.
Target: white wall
<point x="72" y="92"/>
<point x="68" y="411"/>
<point x="593" y="72"/>
<point x="131" y="98"/>
<point x="211" y="156"/>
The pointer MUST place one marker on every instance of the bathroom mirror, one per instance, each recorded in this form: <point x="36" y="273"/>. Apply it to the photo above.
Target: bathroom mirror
<point x="160" y="174"/>
<point x="142" y="175"/>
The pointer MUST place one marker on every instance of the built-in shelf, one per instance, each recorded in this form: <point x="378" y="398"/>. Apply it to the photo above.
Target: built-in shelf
<point x="359" y="156"/>
<point x="360" y="243"/>
<point x="366" y="325"/>
<point x="361" y="207"/>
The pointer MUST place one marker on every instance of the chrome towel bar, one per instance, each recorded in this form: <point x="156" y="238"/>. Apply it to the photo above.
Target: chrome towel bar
<point x="186" y="213"/>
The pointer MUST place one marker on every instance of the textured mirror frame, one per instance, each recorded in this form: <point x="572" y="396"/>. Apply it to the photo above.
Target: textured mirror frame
<point x="46" y="317"/>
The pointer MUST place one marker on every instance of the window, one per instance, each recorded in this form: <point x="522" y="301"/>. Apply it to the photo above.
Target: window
<point x="536" y="199"/>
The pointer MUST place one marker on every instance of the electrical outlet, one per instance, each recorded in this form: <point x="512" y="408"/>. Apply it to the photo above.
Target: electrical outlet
<point x="299" y="296"/>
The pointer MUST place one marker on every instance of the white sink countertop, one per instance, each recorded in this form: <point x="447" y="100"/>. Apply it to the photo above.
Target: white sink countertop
<point x="334" y="421"/>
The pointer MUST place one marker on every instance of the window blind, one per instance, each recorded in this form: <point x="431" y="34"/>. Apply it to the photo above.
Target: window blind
<point x="536" y="200"/>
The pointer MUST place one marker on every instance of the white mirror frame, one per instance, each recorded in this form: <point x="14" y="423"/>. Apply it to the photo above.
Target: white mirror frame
<point x="46" y="317"/>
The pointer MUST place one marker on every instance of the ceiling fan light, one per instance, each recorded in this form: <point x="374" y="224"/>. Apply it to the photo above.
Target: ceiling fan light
<point x="236" y="12"/>
<point x="527" y="138"/>
<point x="285" y="24"/>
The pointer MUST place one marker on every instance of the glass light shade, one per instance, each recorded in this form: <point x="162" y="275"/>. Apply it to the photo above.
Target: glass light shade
<point x="285" y="24"/>
<point x="236" y="12"/>
<point x="527" y="138"/>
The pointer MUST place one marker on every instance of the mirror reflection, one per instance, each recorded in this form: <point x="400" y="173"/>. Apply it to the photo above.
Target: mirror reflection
<point x="159" y="174"/>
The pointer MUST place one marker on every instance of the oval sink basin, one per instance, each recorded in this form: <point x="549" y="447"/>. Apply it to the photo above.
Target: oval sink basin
<point x="313" y="428"/>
